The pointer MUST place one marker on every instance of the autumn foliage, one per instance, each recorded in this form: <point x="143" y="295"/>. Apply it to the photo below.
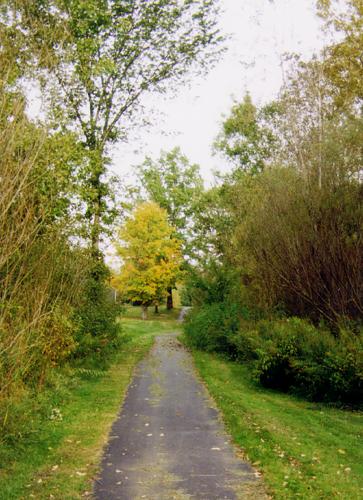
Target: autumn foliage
<point x="151" y="256"/>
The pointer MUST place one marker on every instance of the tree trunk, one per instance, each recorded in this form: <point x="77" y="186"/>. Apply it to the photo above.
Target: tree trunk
<point x="95" y="186"/>
<point x="97" y="214"/>
<point x="169" y="300"/>
<point x="156" y="309"/>
<point x="144" y="312"/>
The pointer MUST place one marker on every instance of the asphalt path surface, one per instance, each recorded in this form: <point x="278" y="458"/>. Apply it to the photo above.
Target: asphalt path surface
<point x="168" y="441"/>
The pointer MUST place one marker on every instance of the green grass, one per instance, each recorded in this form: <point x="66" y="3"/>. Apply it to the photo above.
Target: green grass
<point x="303" y="450"/>
<point x="163" y="315"/>
<point x="59" y="458"/>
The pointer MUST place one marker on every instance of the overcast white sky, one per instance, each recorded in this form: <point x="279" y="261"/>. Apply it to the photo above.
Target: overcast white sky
<point x="261" y="31"/>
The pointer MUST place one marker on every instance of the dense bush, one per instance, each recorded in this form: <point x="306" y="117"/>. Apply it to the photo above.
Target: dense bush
<point x="50" y="301"/>
<point x="298" y="357"/>
<point x="300" y="245"/>
<point x="98" y="329"/>
<point x="287" y="354"/>
<point x="212" y="326"/>
<point x="185" y="296"/>
<point x="336" y="374"/>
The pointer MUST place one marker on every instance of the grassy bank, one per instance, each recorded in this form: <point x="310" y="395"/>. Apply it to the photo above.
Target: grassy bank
<point x="304" y="450"/>
<point x="55" y="450"/>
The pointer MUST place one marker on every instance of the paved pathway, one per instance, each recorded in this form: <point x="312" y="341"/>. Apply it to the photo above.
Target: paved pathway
<point x="168" y="441"/>
<point x="184" y="311"/>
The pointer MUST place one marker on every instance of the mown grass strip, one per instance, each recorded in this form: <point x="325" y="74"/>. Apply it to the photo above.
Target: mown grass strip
<point x="59" y="459"/>
<point x="304" y="450"/>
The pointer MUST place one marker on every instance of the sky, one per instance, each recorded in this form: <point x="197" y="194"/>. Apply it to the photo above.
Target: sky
<point x="260" y="32"/>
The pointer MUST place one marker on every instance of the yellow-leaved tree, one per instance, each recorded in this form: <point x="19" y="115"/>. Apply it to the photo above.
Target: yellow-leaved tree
<point x="151" y="256"/>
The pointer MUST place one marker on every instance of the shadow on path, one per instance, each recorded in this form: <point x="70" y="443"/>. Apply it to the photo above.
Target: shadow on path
<point x="168" y="441"/>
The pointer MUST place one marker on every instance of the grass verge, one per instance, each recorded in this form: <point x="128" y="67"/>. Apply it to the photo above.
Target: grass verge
<point x="304" y="450"/>
<point x="56" y="451"/>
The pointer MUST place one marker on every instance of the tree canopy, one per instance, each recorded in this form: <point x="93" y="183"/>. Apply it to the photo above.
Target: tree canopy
<point x="151" y="256"/>
<point x="246" y="138"/>
<point x="176" y="185"/>
<point x="100" y="58"/>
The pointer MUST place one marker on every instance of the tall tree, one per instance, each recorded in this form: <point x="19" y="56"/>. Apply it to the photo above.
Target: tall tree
<point x="247" y="138"/>
<point x="151" y="256"/>
<point x="103" y="57"/>
<point x="176" y="185"/>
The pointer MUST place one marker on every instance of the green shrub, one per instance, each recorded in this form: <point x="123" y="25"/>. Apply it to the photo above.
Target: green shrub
<point x="281" y="344"/>
<point x="185" y="296"/>
<point x="295" y="356"/>
<point x="98" y="329"/>
<point x="247" y="341"/>
<point x="287" y="354"/>
<point x="212" y="326"/>
<point x="335" y="376"/>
